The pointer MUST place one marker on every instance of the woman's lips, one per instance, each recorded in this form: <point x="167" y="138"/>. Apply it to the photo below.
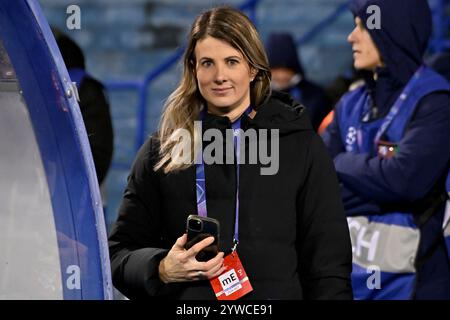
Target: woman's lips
<point x="221" y="90"/>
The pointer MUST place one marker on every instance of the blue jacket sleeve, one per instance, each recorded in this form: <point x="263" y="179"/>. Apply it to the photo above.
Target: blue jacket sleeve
<point x="423" y="156"/>
<point x="355" y="204"/>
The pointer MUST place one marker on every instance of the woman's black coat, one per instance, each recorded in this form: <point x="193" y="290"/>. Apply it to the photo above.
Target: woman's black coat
<point x="294" y="241"/>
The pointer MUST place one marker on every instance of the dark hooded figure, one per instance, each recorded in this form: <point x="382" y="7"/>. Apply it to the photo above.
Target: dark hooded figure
<point x="441" y="63"/>
<point x="391" y="149"/>
<point x="93" y="104"/>
<point x="288" y="76"/>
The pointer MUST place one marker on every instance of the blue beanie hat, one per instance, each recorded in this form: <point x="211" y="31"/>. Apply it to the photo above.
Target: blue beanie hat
<point x="282" y="52"/>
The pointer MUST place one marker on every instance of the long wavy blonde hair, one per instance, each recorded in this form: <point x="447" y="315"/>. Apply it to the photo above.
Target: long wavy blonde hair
<point x="183" y="106"/>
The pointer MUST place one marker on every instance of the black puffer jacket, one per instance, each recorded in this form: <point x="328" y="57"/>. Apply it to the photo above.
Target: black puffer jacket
<point x="294" y="241"/>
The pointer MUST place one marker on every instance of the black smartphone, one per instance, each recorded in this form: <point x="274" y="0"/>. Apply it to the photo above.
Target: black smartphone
<point x="199" y="228"/>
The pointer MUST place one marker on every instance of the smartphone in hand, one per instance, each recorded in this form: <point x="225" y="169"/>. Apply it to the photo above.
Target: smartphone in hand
<point x="199" y="228"/>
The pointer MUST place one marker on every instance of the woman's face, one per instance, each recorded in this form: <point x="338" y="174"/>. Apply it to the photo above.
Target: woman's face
<point x="223" y="75"/>
<point x="365" y="53"/>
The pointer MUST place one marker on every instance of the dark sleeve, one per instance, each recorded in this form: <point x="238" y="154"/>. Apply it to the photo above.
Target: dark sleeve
<point x="423" y="156"/>
<point x="320" y="105"/>
<point x="355" y="204"/>
<point x="332" y="137"/>
<point x="325" y="256"/>
<point x="135" y="240"/>
<point x="97" y="120"/>
<point x="313" y="97"/>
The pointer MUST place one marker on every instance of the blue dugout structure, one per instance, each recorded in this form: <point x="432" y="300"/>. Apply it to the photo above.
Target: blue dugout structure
<point x="53" y="240"/>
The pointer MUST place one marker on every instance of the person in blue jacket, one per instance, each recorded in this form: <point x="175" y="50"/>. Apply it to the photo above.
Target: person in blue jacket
<point x="390" y="142"/>
<point x="440" y="62"/>
<point x="288" y="76"/>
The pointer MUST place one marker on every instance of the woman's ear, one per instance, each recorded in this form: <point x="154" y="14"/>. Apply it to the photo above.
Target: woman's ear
<point x="253" y="73"/>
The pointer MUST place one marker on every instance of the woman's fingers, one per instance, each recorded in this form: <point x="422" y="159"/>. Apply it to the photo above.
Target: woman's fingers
<point x="195" y="275"/>
<point x="180" y="243"/>
<point x="217" y="260"/>
<point x="221" y="270"/>
<point x="207" y="270"/>
<point x="194" y="270"/>
<point x="208" y="265"/>
<point x="214" y="271"/>
<point x="195" y="249"/>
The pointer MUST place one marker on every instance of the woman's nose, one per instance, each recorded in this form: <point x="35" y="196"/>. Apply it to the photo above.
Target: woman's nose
<point x="220" y="75"/>
<point x="351" y="37"/>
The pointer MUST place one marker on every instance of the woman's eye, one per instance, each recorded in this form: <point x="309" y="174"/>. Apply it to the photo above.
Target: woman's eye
<point x="206" y="63"/>
<point x="232" y="62"/>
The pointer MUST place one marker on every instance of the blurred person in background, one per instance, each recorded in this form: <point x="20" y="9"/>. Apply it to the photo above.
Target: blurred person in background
<point x="93" y="103"/>
<point x="288" y="76"/>
<point x="390" y="142"/>
<point x="440" y="62"/>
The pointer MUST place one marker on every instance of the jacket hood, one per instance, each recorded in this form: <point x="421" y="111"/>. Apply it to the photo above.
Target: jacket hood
<point x="280" y="112"/>
<point x="406" y="27"/>
<point x="283" y="113"/>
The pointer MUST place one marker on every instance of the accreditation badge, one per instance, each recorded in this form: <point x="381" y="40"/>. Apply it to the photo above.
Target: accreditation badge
<point x="233" y="283"/>
<point x="386" y="149"/>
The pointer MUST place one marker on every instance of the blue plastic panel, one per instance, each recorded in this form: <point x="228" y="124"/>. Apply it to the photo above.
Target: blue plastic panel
<point x="52" y="119"/>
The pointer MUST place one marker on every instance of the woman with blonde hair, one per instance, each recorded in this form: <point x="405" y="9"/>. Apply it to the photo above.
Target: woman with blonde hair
<point x="283" y="233"/>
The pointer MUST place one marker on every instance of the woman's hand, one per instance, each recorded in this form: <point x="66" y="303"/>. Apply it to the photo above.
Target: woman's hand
<point x="180" y="264"/>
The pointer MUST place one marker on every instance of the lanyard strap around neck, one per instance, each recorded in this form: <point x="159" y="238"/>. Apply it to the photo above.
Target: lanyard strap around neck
<point x="201" y="180"/>
<point x="398" y="103"/>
